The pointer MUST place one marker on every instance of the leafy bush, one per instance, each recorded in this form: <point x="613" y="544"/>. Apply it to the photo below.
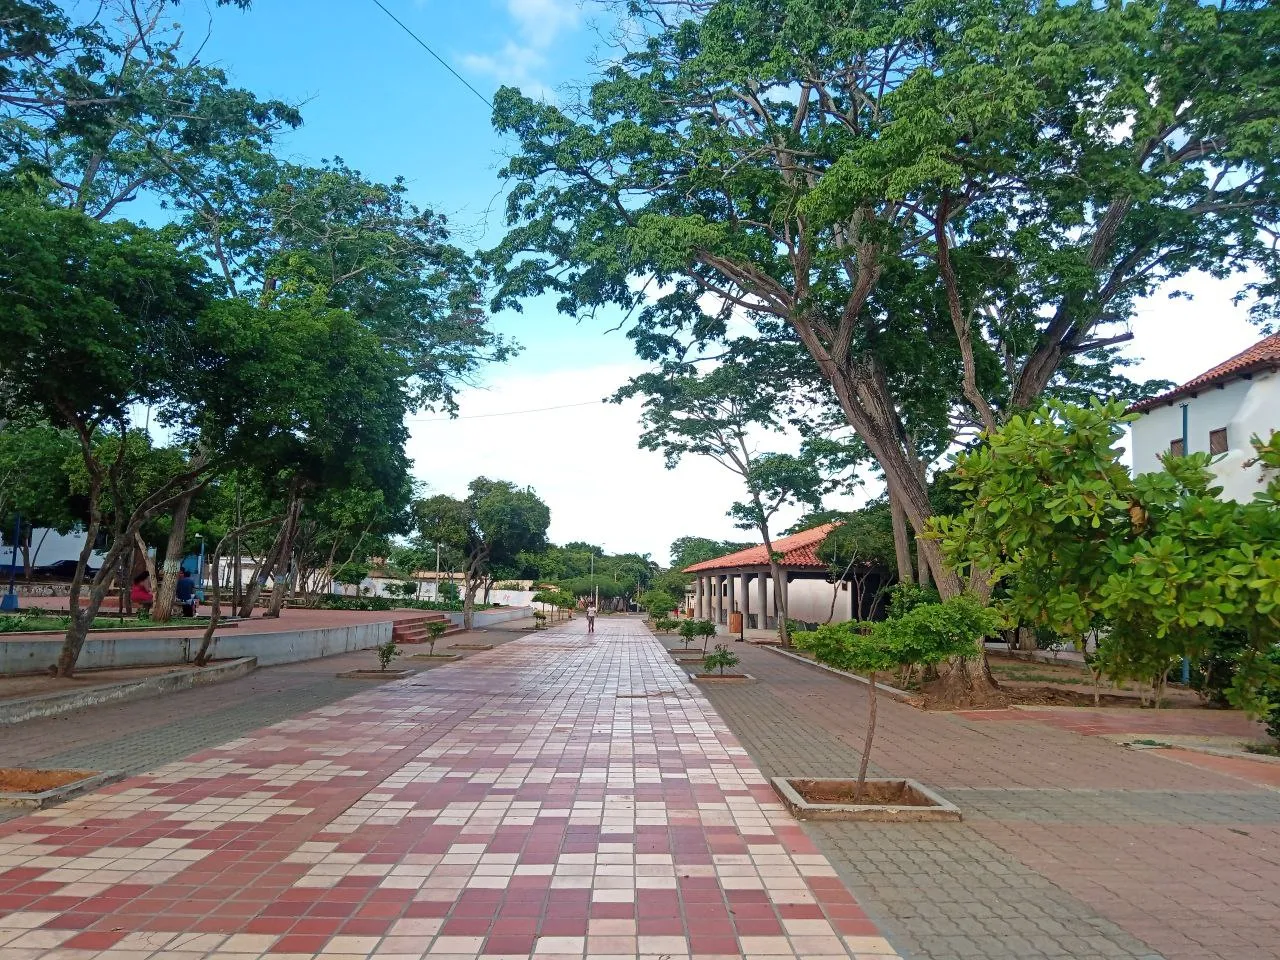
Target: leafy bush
<point x="435" y="630"/>
<point x="905" y="597"/>
<point x="539" y="619"/>
<point x="1269" y="689"/>
<point x="1213" y="673"/>
<point x="720" y="659"/>
<point x="666" y="624"/>
<point x="17" y="623"/>
<point x="690" y="630"/>
<point x="386" y="652"/>
<point x="657" y="603"/>
<point x="448" y="591"/>
<point x="925" y="635"/>
<point x="335" y="602"/>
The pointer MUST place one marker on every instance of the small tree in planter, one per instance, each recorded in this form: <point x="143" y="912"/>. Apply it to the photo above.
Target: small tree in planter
<point x="435" y="630"/>
<point x="666" y="624"/>
<point x="925" y="636"/>
<point x="539" y="620"/>
<point x="689" y="632"/>
<point x="706" y="630"/>
<point x="386" y="652"/>
<point x="720" y="659"/>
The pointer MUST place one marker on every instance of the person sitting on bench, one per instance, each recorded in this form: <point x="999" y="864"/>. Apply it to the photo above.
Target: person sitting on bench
<point x="185" y="592"/>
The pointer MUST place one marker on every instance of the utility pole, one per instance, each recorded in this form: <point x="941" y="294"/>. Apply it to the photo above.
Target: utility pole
<point x="437" y="569"/>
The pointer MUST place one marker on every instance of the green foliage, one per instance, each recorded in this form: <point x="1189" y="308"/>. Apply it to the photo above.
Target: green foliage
<point x="1158" y="560"/>
<point x="18" y="623"/>
<point x="666" y="624"/>
<point x="658" y="603"/>
<point x="352" y="574"/>
<point x="435" y="630"/>
<point x="691" y="630"/>
<point x="926" y="635"/>
<point x="905" y="597"/>
<point x="449" y="592"/>
<point x="720" y="659"/>
<point x="335" y="602"/>
<point x="386" y="652"/>
<point x="686" y="551"/>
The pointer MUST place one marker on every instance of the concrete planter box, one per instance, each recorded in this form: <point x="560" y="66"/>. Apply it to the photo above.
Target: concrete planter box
<point x="92" y="780"/>
<point x="69" y="701"/>
<point x="436" y="657"/>
<point x="471" y="646"/>
<point x="726" y="678"/>
<point x="928" y="806"/>
<point x="376" y="674"/>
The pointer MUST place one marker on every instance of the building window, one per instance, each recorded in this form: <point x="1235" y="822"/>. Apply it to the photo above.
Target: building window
<point x="1218" y="440"/>
<point x="1177" y="448"/>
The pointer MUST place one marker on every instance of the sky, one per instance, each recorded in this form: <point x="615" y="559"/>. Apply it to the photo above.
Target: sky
<point x="372" y="96"/>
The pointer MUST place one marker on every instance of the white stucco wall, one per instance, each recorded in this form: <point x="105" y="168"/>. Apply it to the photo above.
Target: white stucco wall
<point x="1244" y="407"/>
<point x="807" y="600"/>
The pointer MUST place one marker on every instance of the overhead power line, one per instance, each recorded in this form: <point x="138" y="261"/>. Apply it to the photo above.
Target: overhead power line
<point x="422" y="43"/>
<point x="508" y="413"/>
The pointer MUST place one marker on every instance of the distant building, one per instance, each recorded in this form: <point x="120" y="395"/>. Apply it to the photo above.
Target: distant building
<point x="741" y="582"/>
<point x="1218" y="412"/>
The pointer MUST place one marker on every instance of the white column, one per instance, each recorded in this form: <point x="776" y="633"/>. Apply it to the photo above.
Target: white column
<point x="699" y="596"/>
<point x="746" y="602"/>
<point x="733" y="591"/>
<point x="762" y="594"/>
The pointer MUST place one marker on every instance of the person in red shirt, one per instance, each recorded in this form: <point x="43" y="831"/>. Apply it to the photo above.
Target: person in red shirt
<point x="141" y="594"/>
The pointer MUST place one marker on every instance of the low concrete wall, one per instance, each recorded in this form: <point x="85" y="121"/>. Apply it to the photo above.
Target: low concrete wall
<point x="488" y="618"/>
<point x="57" y="704"/>
<point x="19" y="657"/>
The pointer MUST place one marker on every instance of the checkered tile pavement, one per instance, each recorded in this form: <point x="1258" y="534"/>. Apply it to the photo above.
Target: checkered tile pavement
<point x="560" y="797"/>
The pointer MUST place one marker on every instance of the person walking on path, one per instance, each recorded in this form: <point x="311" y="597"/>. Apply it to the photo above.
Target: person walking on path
<point x="591" y="616"/>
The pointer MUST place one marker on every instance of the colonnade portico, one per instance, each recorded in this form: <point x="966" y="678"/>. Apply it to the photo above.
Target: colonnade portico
<point x="716" y="595"/>
<point x="742" y="582"/>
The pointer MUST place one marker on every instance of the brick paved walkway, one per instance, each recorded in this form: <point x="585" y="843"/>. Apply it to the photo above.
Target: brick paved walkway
<point x="1072" y="846"/>
<point x="557" y="797"/>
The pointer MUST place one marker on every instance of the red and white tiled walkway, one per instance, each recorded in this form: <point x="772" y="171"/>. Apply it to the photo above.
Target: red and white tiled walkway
<point x="559" y="797"/>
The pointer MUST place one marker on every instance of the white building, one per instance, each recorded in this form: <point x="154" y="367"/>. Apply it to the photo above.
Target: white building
<point x="1218" y="412"/>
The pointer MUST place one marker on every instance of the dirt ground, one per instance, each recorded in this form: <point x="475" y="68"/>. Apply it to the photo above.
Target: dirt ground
<point x="36" y="781"/>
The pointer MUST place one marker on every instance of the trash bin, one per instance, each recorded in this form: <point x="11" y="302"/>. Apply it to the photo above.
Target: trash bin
<point x="735" y="622"/>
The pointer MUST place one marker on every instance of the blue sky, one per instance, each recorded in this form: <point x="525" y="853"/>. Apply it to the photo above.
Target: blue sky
<point x="369" y="94"/>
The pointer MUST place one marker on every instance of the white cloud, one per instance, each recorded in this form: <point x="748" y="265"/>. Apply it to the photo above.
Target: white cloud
<point x="583" y="461"/>
<point x="538" y="25"/>
<point x="541" y="21"/>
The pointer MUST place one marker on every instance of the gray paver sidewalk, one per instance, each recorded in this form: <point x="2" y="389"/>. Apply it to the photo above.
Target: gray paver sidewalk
<point x="1071" y="846"/>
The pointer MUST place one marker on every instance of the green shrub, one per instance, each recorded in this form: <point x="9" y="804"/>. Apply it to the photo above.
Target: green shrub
<point x="666" y="624"/>
<point x="905" y="597"/>
<point x="720" y="659"/>
<point x="386" y="652"/>
<point x="17" y="623"/>
<point x="435" y="630"/>
<point x="449" y="591"/>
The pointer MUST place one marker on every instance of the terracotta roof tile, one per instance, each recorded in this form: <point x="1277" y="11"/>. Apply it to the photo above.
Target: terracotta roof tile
<point x="1263" y="355"/>
<point x="798" y="550"/>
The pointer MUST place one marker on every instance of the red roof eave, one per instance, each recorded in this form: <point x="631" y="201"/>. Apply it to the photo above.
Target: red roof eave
<point x="799" y="551"/>
<point x="1263" y="356"/>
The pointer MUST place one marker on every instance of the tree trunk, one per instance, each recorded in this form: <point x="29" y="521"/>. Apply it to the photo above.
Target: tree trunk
<point x="866" y="744"/>
<point x="215" y="602"/>
<point x="263" y="570"/>
<point x="148" y="562"/>
<point x="166" y="589"/>
<point x="284" y="563"/>
<point x="901" y="541"/>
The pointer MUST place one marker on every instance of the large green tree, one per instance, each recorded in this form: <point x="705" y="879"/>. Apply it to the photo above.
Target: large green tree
<point x="968" y="196"/>
<point x="719" y="414"/>
<point x="492" y="526"/>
